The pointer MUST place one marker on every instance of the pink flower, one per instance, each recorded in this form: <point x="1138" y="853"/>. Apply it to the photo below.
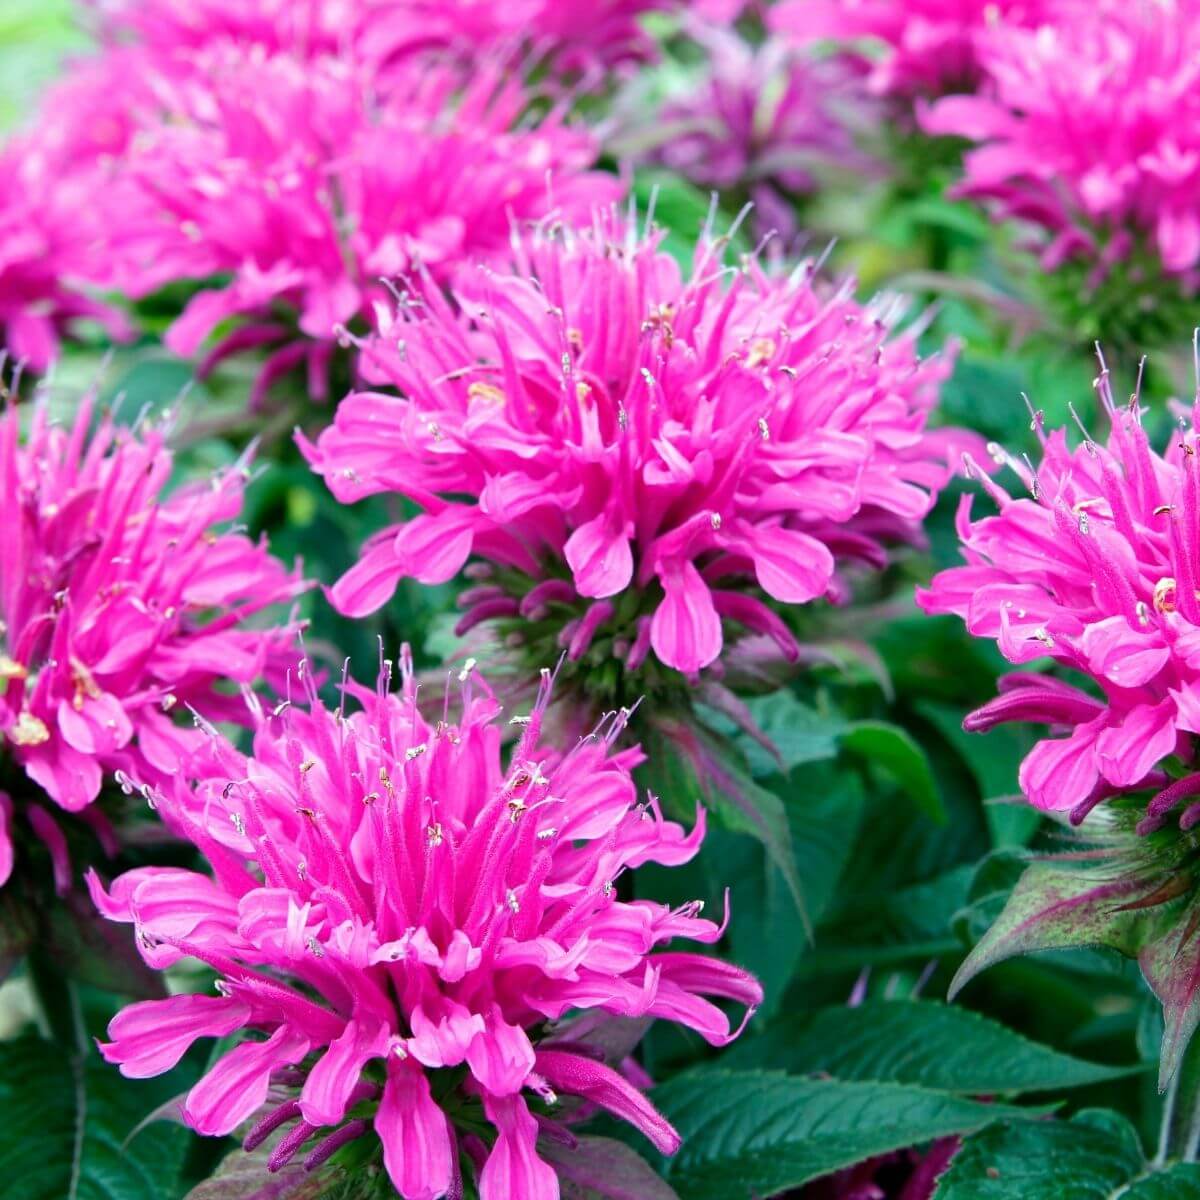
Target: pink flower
<point x="574" y="37"/>
<point x="930" y="46"/>
<point x="45" y="258"/>
<point x="1096" y="570"/>
<point x="283" y="175"/>
<point x="118" y="608"/>
<point x="306" y="27"/>
<point x="1086" y="129"/>
<point x="759" y="124"/>
<point x="399" y="915"/>
<point x="641" y="458"/>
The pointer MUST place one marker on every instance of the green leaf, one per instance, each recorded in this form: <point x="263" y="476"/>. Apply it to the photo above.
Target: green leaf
<point x="65" y="1119"/>
<point x="1094" y="1156"/>
<point x="893" y="750"/>
<point x="800" y="733"/>
<point x="1178" y="1182"/>
<point x="1055" y="906"/>
<point x="918" y="1042"/>
<point x="756" y="1133"/>
<point x="687" y="763"/>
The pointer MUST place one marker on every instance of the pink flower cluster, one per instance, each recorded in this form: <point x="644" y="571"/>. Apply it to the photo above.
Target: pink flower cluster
<point x="389" y="903"/>
<point x="573" y="37"/>
<point x="760" y="124"/>
<point x="1087" y="130"/>
<point x="665" y="454"/>
<point x="256" y="144"/>
<point x="1096" y="569"/>
<point x="118" y="607"/>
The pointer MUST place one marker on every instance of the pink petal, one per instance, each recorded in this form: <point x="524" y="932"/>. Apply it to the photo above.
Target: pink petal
<point x="500" y="1056"/>
<point x="237" y="1086"/>
<point x="416" y="1139"/>
<point x="686" y="630"/>
<point x="334" y="1076"/>
<point x="513" y="1168"/>
<point x="600" y="558"/>
<point x="151" y="1037"/>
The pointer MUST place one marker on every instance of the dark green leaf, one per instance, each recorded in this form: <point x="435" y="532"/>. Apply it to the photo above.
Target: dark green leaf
<point x="1092" y="1157"/>
<point x="756" y="1133"/>
<point x="65" y="1119"/>
<point x="918" y="1042"/>
<point x="894" y="751"/>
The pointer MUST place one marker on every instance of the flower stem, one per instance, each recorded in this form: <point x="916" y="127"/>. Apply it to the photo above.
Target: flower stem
<point x="57" y="1002"/>
<point x="1179" y="1135"/>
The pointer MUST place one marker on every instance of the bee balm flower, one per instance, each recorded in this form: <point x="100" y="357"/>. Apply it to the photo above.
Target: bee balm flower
<point x="641" y="459"/>
<point x="396" y="915"/>
<point x="1085" y="132"/>
<point x="118" y="605"/>
<point x="1094" y="569"/>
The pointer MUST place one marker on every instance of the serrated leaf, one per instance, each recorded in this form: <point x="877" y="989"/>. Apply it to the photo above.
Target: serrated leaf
<point x="1054" y="906"/>
<point x="600" y="1168"/>
<point x="244" y="1176"/>
<point x="920" y="1042"/>
<point x="1094" y="1156"/>
<point x="756" y="1133"/>
<point x="65" y="1119"/>
<point x="894" y="751"/>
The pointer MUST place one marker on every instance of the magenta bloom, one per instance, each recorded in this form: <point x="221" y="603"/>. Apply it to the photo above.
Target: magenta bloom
<point x="757" y="124"/>
<point x="930" y="46"/>
<point x="1095" y="570"/>
<point x="635" y="453"/>
<point x="398" y="915"/>
<point x="46" y="258"/>
<point x="1087" y="129"/>
<point x="300" y="26"/>
<point x="572" y="36"/>
<point x="283" y="175"/>
<point x="119" y="608"/>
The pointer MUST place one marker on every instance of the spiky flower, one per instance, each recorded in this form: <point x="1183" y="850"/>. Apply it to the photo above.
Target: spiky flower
<point x="760" y="124"/>
<point x="1094" y="568"/>
<point x="120" y="608"/>
<point x="930" y="47"/>
<point x="645" y="463"/>
<point x="282" y="175"/>
<point x="1086" y="134"/>
<point x="404" y="918"/>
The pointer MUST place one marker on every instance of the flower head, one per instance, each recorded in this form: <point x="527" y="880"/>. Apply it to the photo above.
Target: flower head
<point x="401" y="915"/>
<point x="641" y="458"/>
<point x="929" y="46"/>
<point x="119" y="607"/>
<point x="1094" y="569"/>
<point x="283" y="175"/>
<point x="1087" y="132"/>
<point x="759" y="124"/>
